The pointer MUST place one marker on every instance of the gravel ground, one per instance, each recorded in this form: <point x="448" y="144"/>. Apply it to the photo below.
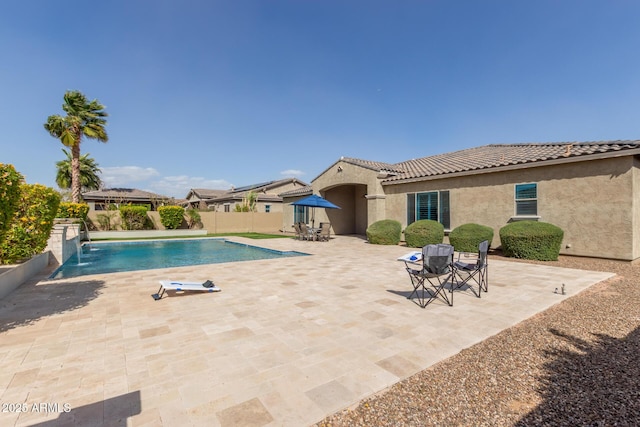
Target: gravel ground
<point x="576" y="364"/>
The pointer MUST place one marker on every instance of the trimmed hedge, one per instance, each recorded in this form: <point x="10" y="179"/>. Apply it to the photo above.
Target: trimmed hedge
<point x="531" y="240"/>
<point x="467" y="237"/>
<point x="9" y="196"/>
<point x="171" y="216"/>
<point x="384" y="232"/>
<point x="32" y="223"/>
<point x="423" y="232"/>
<point x="73" y="210"/>
<point x="134" y="217"/>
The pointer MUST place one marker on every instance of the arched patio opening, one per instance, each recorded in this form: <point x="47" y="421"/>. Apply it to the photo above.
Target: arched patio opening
<point x="351" y="218"/>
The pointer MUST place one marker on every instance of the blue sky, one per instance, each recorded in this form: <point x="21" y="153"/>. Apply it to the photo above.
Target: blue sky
<point x="209" y="94"/>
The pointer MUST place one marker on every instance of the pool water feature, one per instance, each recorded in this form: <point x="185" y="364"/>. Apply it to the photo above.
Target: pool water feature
<point x="112" y="257"/>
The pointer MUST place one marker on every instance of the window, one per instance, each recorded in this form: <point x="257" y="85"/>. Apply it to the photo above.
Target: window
<point x="227" y="207"/>
<point x="433" y="205"/>
<point x="527" y="199"/>
<point x="300" y="214"/>
<point x="267" y="208"/>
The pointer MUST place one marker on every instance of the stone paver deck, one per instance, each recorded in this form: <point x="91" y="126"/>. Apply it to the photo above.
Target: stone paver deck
<point x="285" y="343"/>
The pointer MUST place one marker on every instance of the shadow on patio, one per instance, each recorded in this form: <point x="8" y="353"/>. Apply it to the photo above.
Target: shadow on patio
<point x="109" y="412"/>
<point x="33" y="301"/>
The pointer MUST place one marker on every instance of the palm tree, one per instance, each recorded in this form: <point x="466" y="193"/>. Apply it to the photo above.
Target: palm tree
<point x="84" y="118"/>
<point x="89" y="172"/>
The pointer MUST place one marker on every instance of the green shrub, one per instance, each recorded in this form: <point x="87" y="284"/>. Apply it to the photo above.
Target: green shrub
<point x="171" y="216"/>
<point x="467" y="237"/>
<point x="531" y="240"/>
<point x="423" y="232"/>
<point x="73" y="210"/>
<point x="384" y="232"/>
<point x="10" y="181"/>
<point x="32" y="224"/>
<point x="134" y="217"/>
<point x="193" y="218"/>
<point x="105" y="221"/>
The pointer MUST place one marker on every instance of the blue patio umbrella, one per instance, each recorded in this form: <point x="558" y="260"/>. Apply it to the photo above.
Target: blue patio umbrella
<point x="315" y="201"/>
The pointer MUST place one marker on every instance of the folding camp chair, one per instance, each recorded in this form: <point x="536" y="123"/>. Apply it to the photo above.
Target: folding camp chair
<point x="473" y="270"/>
<point x="437" y="270"/>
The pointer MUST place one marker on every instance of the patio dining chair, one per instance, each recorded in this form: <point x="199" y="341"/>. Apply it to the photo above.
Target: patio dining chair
<point x="430" y="281"/>
<point x="305" y="233"/>
<point x="298" y="231"/>
<point x="473" y="270"/>
<point x="325" y="232"/>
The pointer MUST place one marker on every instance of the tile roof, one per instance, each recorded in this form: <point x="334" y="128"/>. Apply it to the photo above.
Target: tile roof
<point x="501" y="155"/>
<point x="123" y="193"/>
<point x="263" y="186"/>
<point x="377" y="166"/>
<point x="206" y="193"/>
<point x="307" y="190"/>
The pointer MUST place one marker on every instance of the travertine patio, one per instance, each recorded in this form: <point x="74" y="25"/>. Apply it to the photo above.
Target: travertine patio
<point x="286" y="342"/>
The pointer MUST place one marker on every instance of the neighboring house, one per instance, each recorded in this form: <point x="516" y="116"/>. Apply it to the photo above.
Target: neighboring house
<point x="101" y="200"/>
<point x="197" y="197"/>
<point x="591" y="190"/>
<point x="268" y="199"/>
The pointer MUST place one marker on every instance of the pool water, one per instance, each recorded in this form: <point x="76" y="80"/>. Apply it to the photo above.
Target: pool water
<point x="99" y="258"/>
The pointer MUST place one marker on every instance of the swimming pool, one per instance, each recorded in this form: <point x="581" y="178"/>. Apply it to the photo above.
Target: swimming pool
<point x="112" y="257"/>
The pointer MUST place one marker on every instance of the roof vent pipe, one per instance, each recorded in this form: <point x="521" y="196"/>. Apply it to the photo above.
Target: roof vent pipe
<point x="567" y="153"/>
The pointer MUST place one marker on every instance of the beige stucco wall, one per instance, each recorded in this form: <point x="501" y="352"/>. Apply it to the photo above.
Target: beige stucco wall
<point x="216" y="222"/>
<point x="242" y="222"/>
<point x="636" y="207"/>
<point x="592" y="201"/>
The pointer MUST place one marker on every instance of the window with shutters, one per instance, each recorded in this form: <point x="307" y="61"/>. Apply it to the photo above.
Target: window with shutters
<point x="432" y="205"/>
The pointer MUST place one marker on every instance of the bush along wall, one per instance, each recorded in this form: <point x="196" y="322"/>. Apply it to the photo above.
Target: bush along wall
<point x="73" y="210"/>
<point x="193" y="218"/>
<point x="467" y="237"/>
<point x="384" y="232"/>
<point x="171" y="216"/>
<point x="10" y="181"/>
<point x="32" y="223"/>
<point x="531" y="240"/>
<point x="134" y="217"/>
<point x="423" y="232"/>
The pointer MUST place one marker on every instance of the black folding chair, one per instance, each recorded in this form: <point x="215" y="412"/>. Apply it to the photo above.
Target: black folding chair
<point x="437" y="270"/>
<point x="473" y="270"/>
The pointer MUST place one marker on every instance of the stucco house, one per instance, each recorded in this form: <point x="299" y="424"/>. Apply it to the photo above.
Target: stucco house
<point x="268" y="199"/>
<point x="590" y="189"/>
<point x="197" y="197"/>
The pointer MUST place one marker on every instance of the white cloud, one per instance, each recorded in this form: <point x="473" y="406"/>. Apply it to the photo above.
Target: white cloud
<point x="292" y="172"/>
<point x="123" y="176"/>
<point x="149" y="179"/>
<point x="178" y="186"/>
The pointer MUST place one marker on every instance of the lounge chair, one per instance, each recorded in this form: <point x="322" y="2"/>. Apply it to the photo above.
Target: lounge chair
<point x="165" y="285"/>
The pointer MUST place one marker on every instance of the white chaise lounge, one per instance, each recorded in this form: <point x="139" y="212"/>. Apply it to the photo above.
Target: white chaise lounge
<point x="165" y="285"/>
